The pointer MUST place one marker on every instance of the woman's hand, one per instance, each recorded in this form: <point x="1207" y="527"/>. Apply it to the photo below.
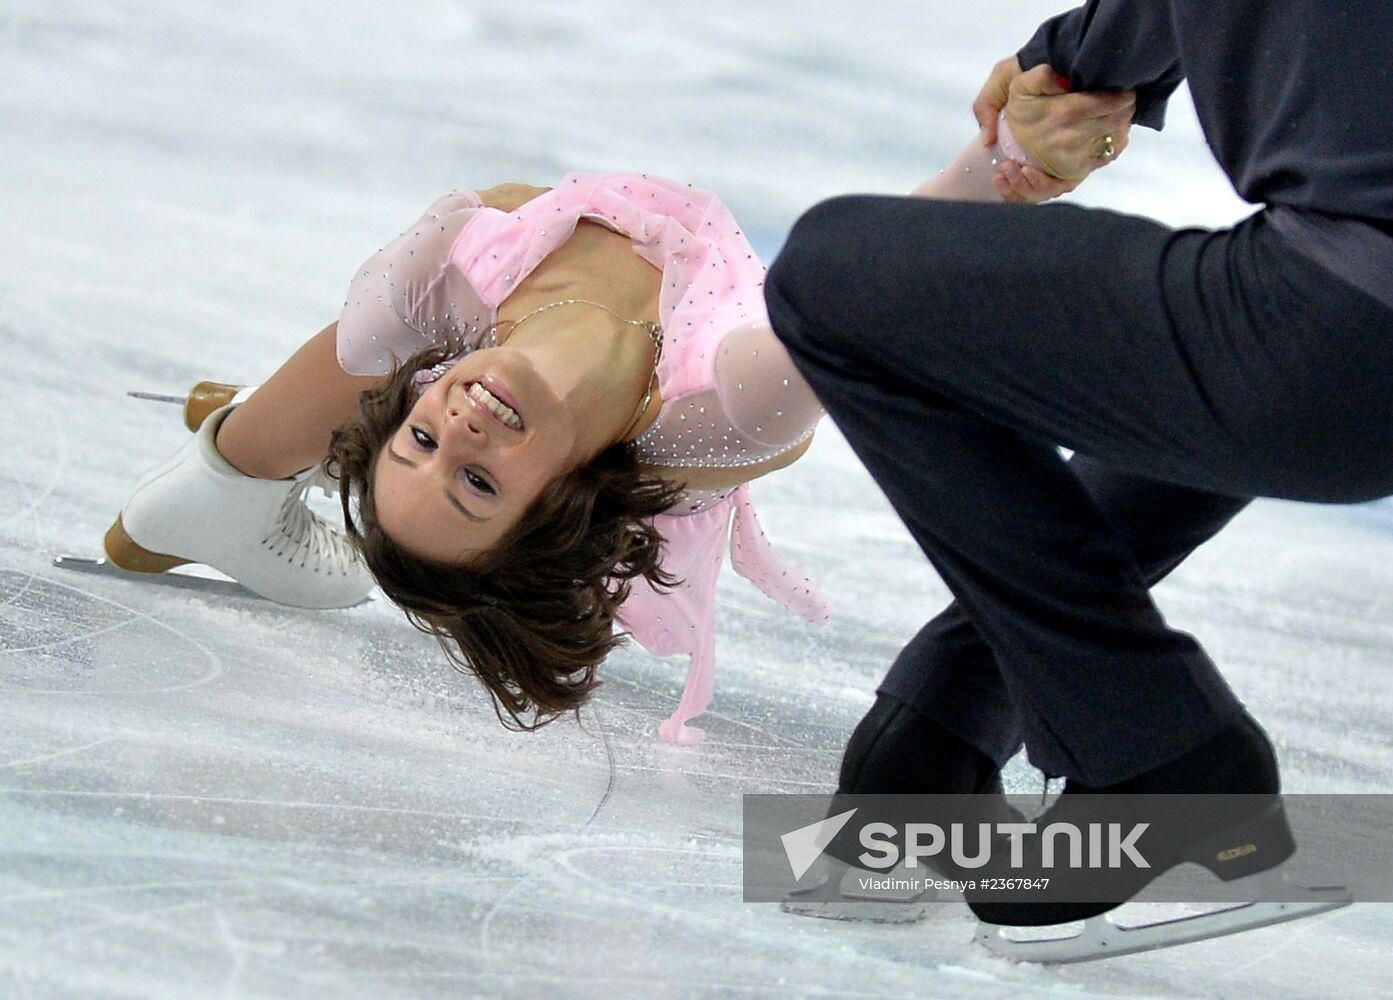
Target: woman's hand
<point x="995" y="93"/>
<point x="1023" y="184"/>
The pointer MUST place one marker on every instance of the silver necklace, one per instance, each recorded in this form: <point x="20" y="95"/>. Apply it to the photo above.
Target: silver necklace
<point x="655" y="331"/>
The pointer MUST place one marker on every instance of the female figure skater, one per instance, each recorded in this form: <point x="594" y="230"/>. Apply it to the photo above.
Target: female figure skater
<point x="546" y="404"/>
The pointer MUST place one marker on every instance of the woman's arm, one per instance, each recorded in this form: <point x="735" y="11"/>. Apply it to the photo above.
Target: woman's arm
<point x="284" y="426"/>
<point x="969" y="177"/>
<point x="396" y="305"/>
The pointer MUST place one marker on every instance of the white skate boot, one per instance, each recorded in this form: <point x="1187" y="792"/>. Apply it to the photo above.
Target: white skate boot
<point x="198" y="508"/>
<point x="206" y="397"/>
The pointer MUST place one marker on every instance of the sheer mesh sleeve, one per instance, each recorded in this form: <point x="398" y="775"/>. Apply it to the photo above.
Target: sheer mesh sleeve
<point x="761" y="392"/>
<point x="408" y="295"/>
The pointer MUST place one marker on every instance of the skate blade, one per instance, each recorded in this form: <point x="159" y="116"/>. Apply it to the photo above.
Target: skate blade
<point x="849" y="901"/>
<point x="218" y="586"/>
<point x="179" y="581"/>
<point x="1102" y="937"/>
<point x="203" y="399"/>
<point x="154" y="397"/>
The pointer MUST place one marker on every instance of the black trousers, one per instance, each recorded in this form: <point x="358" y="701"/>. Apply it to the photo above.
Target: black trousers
<point x="958" y="345"/>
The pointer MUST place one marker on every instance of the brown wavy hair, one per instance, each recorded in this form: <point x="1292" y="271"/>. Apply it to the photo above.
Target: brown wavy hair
<point x="534" y="616"/>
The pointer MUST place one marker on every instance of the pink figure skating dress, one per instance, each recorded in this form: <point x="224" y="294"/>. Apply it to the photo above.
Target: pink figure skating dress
<point x="731" y="396"/>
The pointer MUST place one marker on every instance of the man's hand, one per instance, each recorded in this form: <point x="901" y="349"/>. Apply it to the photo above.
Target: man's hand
<point x="995" y="93"/>
<point x="1069" y="135"/>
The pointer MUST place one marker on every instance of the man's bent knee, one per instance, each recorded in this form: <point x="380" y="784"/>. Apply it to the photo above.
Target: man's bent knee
<point x="809" y="285"/>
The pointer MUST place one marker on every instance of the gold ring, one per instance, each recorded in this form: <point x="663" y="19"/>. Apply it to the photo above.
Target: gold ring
<point x="1108" y="151"/>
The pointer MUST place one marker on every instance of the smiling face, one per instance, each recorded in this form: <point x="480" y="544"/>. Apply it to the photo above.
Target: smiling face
<point x="473" y="453"/>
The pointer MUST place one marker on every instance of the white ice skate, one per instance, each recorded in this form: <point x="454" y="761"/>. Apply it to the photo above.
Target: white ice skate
<point x="206" y="397"/>
<point x="196" y="508"/>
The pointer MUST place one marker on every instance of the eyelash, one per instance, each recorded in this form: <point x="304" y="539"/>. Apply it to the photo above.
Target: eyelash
<point x="425" y="442"/>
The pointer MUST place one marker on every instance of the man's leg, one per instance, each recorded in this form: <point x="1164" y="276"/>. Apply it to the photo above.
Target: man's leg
<point x="985" y="335"/>
<point x="947" y="673"/>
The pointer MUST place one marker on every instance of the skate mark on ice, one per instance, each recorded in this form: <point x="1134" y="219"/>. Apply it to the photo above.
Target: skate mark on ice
<point x="274" y="879"/>
<point x="235" y="950"/>
<point x="565" y="858"/>
<point x="59" y="467"/>
<point x="766" y="785"/>
<point x="144" y="919"/>
<point x="1270" y="947"/>
<point x="110" y="915"/>
<point x="639" y="984"/>
<point x="30" y="578"/>
<point x="74" y="893"/>
<point x="517" y="881"/>
<point x="240" y="801"/>
<point x="486" y="925"/>
<point x="759" y="933"/>
<point x="272" y="889"/>
<point x="213" y="662"/>
<point x="652" y="719"/>
<point x="56" y="754"/>
<point x="148" y="920"/>
<point x="69" y="640"/>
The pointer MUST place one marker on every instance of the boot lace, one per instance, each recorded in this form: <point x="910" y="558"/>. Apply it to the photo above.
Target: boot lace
<point x="302" y="537"/>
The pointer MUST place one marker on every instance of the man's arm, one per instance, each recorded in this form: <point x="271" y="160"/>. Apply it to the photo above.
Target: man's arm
<point x="1071" y="61"/>
<point x="1113" y="45"/>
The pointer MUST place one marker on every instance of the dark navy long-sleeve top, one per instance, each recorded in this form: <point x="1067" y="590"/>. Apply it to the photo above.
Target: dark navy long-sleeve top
<point x="1295" y="98"/>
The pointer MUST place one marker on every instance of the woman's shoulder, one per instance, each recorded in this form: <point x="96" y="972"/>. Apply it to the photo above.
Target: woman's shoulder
<point x="509" y="196"/>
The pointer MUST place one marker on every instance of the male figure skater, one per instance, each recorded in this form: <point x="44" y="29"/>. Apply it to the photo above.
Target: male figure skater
<point x="956" y="345"/>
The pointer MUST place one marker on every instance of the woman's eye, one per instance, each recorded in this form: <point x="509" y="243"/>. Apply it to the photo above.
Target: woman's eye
<point x="479" y="483"/>
<point x="423" y="440"/>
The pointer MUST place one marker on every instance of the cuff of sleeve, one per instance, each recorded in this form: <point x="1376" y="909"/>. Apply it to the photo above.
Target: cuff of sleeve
<point x="1056" y="43"/>
<point x="1035" y="52"/>
<point x="1151" y="107"/>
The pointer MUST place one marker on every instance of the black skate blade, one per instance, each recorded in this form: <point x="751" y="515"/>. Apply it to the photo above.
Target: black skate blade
<point x="220" y="587"/>
<point x="1102" y="937"/>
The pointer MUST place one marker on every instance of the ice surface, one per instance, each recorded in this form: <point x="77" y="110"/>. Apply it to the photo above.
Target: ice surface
<point x="207" y="796"/>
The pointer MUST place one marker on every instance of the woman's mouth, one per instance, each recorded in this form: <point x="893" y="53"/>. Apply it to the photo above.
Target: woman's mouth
<point x="485" y="399"/>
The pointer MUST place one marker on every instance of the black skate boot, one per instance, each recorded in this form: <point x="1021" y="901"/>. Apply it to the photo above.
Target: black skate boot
<point x="1217" y="806"/>
<point x="899" y="767"/>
